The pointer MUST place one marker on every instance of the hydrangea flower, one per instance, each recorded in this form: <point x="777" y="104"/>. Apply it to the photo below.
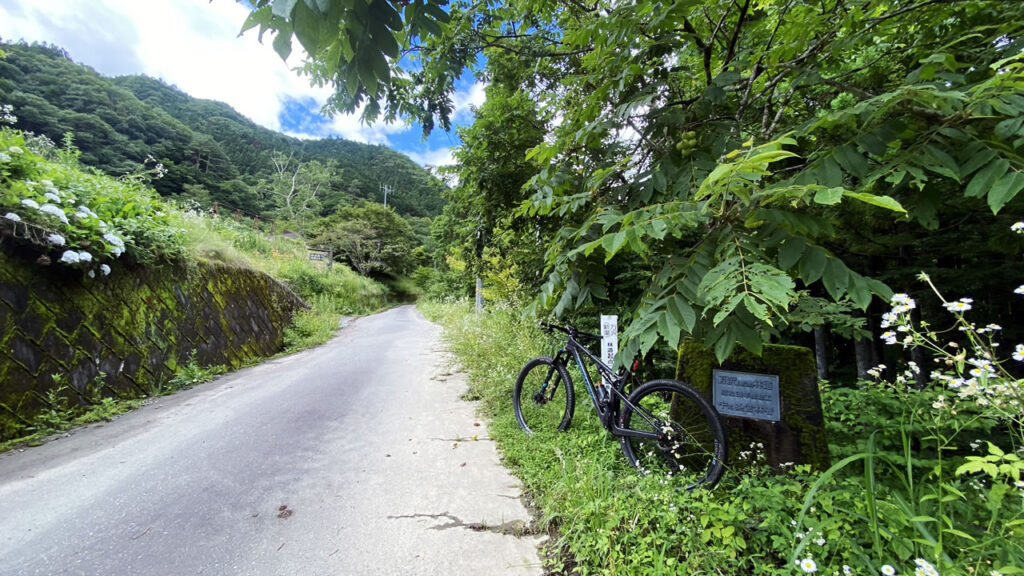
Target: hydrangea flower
<point x="84" y="256"/>
<point x="30" y="203"/>
<point x="105" y="269"/>
<point x="113" y="239"/>
<point x="15" y="150"/>
<point x="85" y="212"/>
<point x="12" y="217"/>
<point x="4" y="157"/>
<point x="55" y="211"/>
<point x="55" y="239"/>
<point x="115" y="244"/>
<point x="69" y="257"/>
<point x="53" y="196"/>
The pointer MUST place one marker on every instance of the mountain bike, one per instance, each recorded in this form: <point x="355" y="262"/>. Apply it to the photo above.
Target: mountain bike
<point x="664" y="426"/>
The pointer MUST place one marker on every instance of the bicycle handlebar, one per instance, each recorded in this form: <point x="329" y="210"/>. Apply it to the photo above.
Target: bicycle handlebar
<point x="571" y="331"/>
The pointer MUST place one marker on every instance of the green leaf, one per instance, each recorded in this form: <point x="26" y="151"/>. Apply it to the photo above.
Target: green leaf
<point x="851" y="160"/>
<point x="307" y="25"/>
<point x="986" y="177"/>
<point x="886" y="202"/>
<point x="772" y="285"/>
<point x="836" y="278"/>
<point x="829" y="173"/>
<point x="859" y="291"/>
<point x="668" y="326"/>
<point x="382" y="10"/>
<point x="658" y="229"/>
<point x="938" y="161"/>
<point x="812" y="265"/>
<point x="759" y="310"/>
<point x="612" y="243"/>
<point x="283" y="43"/>
<point x="724" y="346"/>
<point x="678" y="305"/>
<point x="1009" y="128"/>
<point x="283" y="8"/>
<point x="829" y="196"/>
<point x="1004" y="190"/>
<point x="790" y="252"/>
<point x="435" y="10"/>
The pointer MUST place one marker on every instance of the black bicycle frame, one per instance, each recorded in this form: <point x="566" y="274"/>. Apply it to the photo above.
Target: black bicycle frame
<point x="615" y="384"/>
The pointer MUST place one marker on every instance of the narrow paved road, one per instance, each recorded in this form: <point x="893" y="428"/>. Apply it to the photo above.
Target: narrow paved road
<point x="356" y="457"/>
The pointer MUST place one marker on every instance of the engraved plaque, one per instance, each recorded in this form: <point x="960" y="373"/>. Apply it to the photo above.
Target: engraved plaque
<point x="747" y="395"/>
<point x="316" y="256"/>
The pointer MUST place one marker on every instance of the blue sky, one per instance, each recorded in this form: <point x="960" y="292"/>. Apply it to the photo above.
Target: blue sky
<point x="194" y="45"/>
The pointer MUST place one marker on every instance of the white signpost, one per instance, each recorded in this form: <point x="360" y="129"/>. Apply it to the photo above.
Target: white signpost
<point x="609" y="339"/>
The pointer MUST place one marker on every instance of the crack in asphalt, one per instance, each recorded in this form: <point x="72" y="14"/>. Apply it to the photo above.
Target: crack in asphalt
<point x="514" y="527"/>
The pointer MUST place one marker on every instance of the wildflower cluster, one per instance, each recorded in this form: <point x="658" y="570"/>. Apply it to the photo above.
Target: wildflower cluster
<point x="972" y="373"/>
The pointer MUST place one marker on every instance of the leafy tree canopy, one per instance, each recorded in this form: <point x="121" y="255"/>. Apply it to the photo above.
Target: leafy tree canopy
<point x="370" y="237"/>
<point x="726" y="149"/>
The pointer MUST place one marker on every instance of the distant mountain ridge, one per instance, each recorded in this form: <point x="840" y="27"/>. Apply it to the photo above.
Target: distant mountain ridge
<point x="212" y="153"/>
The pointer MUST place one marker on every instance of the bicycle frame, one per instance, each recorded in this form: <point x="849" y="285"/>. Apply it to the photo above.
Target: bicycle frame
<point x="616" y="384"/>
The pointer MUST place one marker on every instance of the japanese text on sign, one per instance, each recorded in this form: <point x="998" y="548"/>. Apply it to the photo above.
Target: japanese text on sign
<point x="747" y="395"/>
<point x="609" y="339"/>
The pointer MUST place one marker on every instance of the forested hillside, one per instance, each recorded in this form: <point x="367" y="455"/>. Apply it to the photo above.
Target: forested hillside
<point x="211" y="152"/>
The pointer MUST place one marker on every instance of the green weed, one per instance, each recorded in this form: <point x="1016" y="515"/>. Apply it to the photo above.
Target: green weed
<point x="879" y="505"/>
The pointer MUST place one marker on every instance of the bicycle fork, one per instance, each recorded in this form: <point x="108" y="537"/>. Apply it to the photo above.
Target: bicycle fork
<point x="539" y="397"/>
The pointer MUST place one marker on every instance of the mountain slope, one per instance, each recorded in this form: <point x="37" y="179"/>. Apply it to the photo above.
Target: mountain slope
<point x="212" y="152"/>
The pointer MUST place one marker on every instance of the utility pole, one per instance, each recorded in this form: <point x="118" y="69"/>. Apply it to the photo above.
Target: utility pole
<point x="386" y="189"/>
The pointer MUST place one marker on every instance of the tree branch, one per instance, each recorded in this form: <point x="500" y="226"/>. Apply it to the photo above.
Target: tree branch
<point x="731" y="52"/>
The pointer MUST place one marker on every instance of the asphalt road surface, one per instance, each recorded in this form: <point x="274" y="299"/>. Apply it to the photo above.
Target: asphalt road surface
<point x="357" y="457"/>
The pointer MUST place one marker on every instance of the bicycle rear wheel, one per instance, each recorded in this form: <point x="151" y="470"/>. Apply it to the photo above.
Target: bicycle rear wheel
<point x="543" y="398"/>
<point x="691" y="440"/>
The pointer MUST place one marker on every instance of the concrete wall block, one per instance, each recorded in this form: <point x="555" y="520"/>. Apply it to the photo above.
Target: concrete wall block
<point x="135" y="327"/>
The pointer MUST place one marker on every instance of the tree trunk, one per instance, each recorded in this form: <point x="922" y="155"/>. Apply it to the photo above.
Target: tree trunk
<point x="821" y="351"/>
<point x="862" y="349"/>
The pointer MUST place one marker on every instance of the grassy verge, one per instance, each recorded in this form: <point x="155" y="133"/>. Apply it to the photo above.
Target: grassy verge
<point x="875" y="511"/>
<point x="603" y="517"/>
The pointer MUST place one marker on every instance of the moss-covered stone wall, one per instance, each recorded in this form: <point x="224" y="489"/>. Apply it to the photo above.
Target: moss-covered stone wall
<point x="126" y="333"/>
<point x="799" y="437"/>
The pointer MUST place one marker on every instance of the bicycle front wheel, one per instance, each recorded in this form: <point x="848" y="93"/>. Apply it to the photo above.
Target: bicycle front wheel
<point x="690" y="439"/>
<point x="543" y="397"/>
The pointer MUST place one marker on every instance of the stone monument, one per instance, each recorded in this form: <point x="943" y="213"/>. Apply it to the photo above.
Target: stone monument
<point x="769" y="404"/>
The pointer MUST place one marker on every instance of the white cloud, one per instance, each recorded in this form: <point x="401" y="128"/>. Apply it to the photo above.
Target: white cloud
<point x="468" y="100"/>
<point x="432" y="157"/>
<point x="192" y="44"/>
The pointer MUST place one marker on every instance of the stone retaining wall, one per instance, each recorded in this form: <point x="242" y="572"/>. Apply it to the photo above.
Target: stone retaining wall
<point x="127" y="333"/>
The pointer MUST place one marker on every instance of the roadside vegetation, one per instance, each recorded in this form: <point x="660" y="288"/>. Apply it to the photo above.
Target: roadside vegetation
<point x="69" y="216"/>
<point x="926" y="481"/>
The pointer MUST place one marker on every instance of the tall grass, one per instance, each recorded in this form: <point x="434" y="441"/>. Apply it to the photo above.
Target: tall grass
<point x="605" y="518"/>
<point x="329" y="293"/>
